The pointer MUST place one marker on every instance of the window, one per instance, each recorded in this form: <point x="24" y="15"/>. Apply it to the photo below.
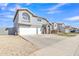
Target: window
<point x="39" y="19"/>
<point x="26" y="17"/>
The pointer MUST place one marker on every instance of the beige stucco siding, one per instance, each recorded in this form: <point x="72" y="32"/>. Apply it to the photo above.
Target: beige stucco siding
<point x="33" y="20"/>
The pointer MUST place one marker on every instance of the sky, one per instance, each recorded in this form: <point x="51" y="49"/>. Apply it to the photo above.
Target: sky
<point x="67" y="13"/>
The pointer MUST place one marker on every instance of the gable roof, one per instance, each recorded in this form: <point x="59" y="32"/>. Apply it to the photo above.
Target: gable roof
<point x="29" y="12"/>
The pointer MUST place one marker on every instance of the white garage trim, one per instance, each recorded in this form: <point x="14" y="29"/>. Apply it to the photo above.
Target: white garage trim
<point x="29" y="31"/>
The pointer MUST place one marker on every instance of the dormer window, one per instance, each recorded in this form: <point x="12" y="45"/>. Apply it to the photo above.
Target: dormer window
<point x="26" y="17"/>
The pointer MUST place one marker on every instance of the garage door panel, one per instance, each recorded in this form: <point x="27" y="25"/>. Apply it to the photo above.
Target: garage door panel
<point x="39" y="31"/>
<point x="28" y="31"/>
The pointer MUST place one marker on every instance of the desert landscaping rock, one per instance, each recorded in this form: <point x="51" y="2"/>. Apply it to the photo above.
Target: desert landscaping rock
<point x="15" y="45"/>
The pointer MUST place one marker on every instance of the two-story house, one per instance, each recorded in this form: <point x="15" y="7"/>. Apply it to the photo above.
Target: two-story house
<point x="26" y="23"/>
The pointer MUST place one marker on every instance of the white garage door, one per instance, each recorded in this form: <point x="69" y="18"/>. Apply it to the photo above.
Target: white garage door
<point x="29" y="31"/>
<point x="39" y="30"/>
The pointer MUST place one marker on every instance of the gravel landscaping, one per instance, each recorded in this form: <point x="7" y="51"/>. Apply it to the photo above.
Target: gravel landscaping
<point x="15" y="46"/>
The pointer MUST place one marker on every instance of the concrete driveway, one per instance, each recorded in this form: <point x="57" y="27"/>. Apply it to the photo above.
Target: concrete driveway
<point x="68" y="47"/>
<point x="43" y="41"/>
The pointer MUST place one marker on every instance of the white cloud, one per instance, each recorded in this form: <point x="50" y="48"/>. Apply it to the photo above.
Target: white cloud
<point x="28" y="4"/>
<point x="53" y="12"/>
<point x="57" y="6"/>
<point x="17" y="6"/>
<point x="54" y="9"/>
<point x="75" y="18"/>
<point x="3" y="5"/>
<point x="6" y="15"/>
<point x="11" y="10"/>
<point x="9" y="16"/>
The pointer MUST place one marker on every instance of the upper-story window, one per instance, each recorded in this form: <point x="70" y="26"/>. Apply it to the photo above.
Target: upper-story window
<point x="26" y="17"/>
<point x="39" y="19"/>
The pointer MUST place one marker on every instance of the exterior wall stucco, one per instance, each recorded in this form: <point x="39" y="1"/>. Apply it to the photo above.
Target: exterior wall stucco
<point x="33" y="20"/>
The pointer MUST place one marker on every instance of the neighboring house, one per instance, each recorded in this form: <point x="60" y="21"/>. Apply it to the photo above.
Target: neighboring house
<point x="67" y="29"/>
<point x="3" y="31"/>
<point x="74" y="30"/>
<point x="57" y="27"/>
<point x="6" y="31"/>
<point x="26" y="23"/>
<point x="10" y="31"/>
<point x="61" y="27"/>
<point x="77" y="30"/>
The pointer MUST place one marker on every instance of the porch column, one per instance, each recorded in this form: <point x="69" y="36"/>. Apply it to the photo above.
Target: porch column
<point x="47" y="29"/>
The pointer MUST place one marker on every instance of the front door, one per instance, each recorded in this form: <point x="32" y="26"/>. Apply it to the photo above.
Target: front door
<point x="48" y="29"/>
<point x="44" y="30"/>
